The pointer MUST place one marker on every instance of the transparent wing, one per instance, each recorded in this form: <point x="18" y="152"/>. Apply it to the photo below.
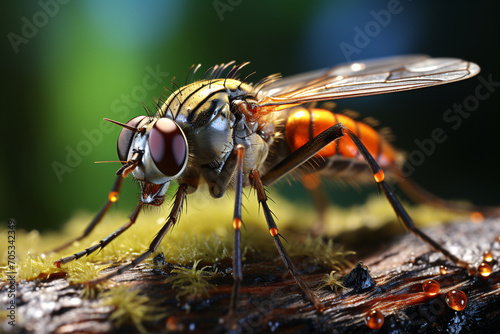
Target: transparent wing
<point x="378" y="76"/>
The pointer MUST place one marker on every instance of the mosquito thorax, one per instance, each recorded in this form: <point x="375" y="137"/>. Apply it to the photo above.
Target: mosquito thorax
<point x="207" y="112"/>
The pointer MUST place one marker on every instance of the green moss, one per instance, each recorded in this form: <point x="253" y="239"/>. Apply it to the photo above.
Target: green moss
<point x="322" y="252"/>
<point x="82" y="272"/>
<point x="130" y="305"/>
<point x="41" y="267"/>
<point x="193" y="282"/>
<point x="37" y="267"/>
<point x="205" y="233"/>
<point x="332" y="280"/>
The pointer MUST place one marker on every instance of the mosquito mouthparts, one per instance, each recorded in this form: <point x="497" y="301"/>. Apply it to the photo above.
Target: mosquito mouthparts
<point x="131" y="128"/>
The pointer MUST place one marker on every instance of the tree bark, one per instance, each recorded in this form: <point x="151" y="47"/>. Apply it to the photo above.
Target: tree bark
<point x="270" y="301"/>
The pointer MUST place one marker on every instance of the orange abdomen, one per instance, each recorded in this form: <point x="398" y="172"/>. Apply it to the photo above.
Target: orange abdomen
<point x="303" y="124"/>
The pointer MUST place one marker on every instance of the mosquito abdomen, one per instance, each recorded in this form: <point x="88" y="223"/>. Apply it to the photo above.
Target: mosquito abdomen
<point x="341" y="155"/>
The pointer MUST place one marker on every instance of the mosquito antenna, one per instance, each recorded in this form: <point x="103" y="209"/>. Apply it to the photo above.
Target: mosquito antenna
<point x="122" y="168"/>
<point x="131" y="128"/>
<point x="109" y="161"/>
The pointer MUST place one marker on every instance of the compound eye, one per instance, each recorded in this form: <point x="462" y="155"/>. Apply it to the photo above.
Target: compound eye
<point x="168" y="147"/>
<point x="125" y="138"/>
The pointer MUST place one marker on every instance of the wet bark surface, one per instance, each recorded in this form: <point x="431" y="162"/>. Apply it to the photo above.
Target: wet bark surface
<point x="270" y="301"/>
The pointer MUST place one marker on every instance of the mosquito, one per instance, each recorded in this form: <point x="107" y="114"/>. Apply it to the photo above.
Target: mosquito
<point x="228" y="133"/>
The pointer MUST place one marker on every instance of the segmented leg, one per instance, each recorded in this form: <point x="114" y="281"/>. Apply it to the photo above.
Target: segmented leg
<point x="112" y="198"/>
<point x="314" y="145"/>
<point x="378" y="174"/>
<point x="172" y="219"/>
<point x="103" y="242"/>
<point x="237" y="223"/>
<point x="122" y="173"/>
<point x="273" y="229"/>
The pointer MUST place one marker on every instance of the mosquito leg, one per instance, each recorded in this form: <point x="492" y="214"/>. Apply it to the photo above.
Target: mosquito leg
<point x="122" y="173"/>
<point x="314" y="145"/>
<point x="112" y="198"/>
<point x="273" y="229"/>
<point x="396" y="204"/>
<point x="304" y="153"/>
<point x="172" y="219"/>
<point x="103" y="242"/>
<point x="237" y="223"/>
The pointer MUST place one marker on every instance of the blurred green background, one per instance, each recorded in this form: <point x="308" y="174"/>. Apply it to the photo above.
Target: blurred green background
<point x="68" y="64"/>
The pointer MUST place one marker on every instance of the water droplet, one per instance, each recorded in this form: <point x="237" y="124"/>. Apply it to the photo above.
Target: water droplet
<point x="173" y="324"/>
<point x="488" y="256"/>
<point x="374" y="319"/>
<point x="443" y="270"/>
<point x="484" y="269"/>
<point x="430" y="287"/>
<point x="456" y="299"/>
<point x="471" y="270"/>
<point x="477" y="217"/>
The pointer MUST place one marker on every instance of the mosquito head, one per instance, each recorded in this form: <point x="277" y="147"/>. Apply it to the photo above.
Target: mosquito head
<point x="163" y="150"/>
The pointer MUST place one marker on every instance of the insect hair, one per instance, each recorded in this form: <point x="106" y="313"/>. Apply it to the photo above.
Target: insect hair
<point x="177" y="86"/>
<point x="150" y="114"/>
<point x="235" y="71"/>
<point x="211" y="69"/>
<point x="245" y="79"/>
<point x="266" y="81"/>
<point x="222" y="68"/>
<point x="193" y="72"/>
